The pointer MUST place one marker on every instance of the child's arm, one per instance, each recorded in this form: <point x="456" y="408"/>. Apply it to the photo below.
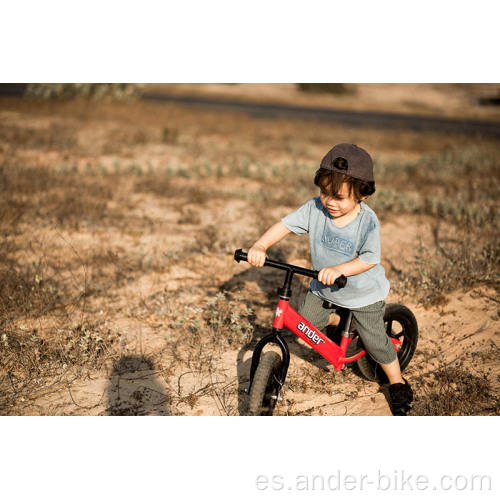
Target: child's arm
<point x="257" y="254"/>
<point x="328" y="275"/>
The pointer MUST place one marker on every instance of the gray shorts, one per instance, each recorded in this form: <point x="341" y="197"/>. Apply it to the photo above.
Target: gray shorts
<point x="368" y="321"/>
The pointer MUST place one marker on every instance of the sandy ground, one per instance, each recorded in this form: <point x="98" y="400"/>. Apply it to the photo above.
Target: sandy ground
<point x="137" y="383"/>
<point x="174" y="265"/>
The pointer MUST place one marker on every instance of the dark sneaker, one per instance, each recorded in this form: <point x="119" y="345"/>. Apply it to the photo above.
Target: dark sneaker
<point x="401" y="397"/>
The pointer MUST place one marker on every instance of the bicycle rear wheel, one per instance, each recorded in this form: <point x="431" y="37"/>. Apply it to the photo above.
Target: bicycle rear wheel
<point x="400" y="324"/>
<point x="265" y="385"/>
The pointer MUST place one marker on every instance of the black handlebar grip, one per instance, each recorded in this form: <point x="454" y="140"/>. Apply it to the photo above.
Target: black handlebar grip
<point x="341" y="281"/>
<point x="240" y="255"/>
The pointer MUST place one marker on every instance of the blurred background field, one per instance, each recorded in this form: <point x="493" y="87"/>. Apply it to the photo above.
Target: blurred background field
<point x="120" y="215"/>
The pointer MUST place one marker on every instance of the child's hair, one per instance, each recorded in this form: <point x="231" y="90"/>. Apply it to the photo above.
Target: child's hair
<point x="331" y="182"/>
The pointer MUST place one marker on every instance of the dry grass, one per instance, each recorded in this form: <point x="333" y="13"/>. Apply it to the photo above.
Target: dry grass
<point x="205" y="333"/>
<point x="463" y="387"/>
<point x="455" y="391"/>
<point x="456" y="190"/>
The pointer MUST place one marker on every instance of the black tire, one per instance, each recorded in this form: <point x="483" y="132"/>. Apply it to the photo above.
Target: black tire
<point x="265" y="385"/>
<point x="401" y="324"/>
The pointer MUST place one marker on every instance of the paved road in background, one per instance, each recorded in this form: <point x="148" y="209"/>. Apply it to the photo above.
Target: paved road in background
<point x="372" y="119"/>
<point x="417" y="123"/>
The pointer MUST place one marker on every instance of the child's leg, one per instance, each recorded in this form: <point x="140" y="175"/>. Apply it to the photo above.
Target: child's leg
<point x="393" y="372"/>
<point x="312" y="309"/>
<point x="369" y="322"/>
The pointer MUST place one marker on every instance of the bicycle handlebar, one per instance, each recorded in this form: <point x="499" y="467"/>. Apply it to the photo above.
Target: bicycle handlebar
<point x="239" y="255"/>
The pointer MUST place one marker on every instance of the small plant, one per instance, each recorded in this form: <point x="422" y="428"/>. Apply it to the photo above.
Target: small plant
<point x="228" y="320"/>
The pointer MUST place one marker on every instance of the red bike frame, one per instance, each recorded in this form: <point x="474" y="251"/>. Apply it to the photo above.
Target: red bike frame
<point x="287" y="316"/>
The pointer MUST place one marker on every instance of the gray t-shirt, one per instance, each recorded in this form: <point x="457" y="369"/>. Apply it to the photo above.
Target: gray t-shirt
<point x="332" y="245"/>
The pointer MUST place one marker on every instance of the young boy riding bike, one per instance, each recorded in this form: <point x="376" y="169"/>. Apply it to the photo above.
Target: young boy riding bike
<point x="344" y="238"/>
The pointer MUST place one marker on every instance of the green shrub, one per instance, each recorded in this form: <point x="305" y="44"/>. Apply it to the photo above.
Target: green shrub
<point x="115" y="91"/>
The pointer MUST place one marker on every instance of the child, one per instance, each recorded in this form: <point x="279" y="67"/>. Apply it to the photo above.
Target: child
<point x="344" y="237"/>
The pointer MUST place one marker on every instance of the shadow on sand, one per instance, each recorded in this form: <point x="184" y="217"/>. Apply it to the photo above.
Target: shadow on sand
<point x="134" y="389"/>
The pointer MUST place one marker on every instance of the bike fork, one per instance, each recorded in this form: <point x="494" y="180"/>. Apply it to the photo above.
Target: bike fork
<point x="272" y="338"/>
<point x="284" y="292"/>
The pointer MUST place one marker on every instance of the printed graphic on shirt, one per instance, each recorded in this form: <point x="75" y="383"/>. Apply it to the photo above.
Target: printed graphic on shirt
<point x="333" y="242"/>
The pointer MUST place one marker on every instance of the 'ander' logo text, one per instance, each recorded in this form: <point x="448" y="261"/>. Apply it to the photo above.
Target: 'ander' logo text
<point x="311" y="334"/>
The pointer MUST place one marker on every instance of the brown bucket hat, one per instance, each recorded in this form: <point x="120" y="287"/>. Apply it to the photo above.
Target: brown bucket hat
<point x="359" y="162"/>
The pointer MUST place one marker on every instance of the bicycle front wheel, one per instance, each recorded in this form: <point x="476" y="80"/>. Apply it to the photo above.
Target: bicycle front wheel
<point x="265" y="385"/>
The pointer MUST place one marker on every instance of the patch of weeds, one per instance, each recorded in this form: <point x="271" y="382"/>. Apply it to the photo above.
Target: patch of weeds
<point x="31" y="361"/>
<point x="25" y="291"/>
<point x="452" y="266"/>
<point x="459" y="186"/>
<point x="454" y="391"/>
<point x="85" y="345"/>
<point x="205" y="332"/>
<point x="35" y="290"/>
<point x="33" y="282"/>
<point x="48" y="196"/>
<point x="489" y="354"/>
<point x="228" y="320"/>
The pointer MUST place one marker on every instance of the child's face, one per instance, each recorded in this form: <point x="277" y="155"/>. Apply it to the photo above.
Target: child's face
<point x="340" y="205"/>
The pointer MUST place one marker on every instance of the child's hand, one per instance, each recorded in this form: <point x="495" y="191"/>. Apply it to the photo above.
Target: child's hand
<point x="328" y="275"/>
<point x="257" y="256"/>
